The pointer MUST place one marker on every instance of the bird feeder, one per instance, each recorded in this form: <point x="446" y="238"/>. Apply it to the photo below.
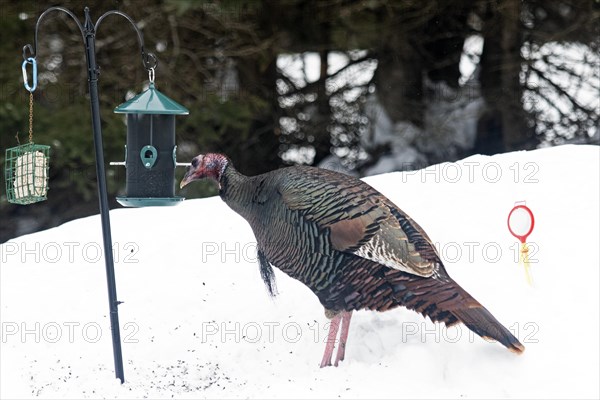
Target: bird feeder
<point x="27" y="173"/>
<point x="150" y="153"/>
<point x="27" y="165"/>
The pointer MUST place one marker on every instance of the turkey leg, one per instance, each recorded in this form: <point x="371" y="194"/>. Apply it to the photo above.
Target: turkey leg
<point x="333" y="329"/>
<point x="346" y="315"/>
<point x="343" y="319"/>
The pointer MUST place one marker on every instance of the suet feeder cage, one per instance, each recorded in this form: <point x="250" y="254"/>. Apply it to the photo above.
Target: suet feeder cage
<point x="150" y="152"/>
<point x="26" y="166"/>
<point x="26" y="171"/>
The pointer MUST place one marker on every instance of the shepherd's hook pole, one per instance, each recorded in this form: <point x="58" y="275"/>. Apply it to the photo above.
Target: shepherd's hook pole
<point x="88" y="32"/>
<point x="149" y="61"/>
<point x="90" y="53"/>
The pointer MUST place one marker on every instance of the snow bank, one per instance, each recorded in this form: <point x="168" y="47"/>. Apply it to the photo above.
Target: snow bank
<point x="197" y="322"/>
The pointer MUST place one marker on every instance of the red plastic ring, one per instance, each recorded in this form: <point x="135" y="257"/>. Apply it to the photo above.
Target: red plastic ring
<point x="522" y="238"/>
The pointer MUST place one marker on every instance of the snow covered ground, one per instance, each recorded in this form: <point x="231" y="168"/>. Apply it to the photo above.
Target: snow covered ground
<point x="197" y="322"/>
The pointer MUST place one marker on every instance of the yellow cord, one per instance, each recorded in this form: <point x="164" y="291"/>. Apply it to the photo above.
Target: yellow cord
<point x="525" y="259"/>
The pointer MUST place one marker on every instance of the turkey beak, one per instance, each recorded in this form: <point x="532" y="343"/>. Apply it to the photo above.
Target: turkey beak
<point x="188" y="177"/>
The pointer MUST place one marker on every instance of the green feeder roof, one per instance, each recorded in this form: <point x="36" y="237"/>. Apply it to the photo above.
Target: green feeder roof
<point x="151" y="101"/>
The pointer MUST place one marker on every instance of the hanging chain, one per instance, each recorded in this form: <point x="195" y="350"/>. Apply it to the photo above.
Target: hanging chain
<point x="30" y="117"/>
<point x="30" y="60"/>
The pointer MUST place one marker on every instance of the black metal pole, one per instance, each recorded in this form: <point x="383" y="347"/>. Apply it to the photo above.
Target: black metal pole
<point x="90" y="52"/>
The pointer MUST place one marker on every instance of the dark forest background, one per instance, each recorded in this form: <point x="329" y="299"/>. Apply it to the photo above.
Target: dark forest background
<point x="222" y="60"/>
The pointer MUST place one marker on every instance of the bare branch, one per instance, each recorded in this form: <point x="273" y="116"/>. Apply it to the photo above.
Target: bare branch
<point x="559" y="89"/>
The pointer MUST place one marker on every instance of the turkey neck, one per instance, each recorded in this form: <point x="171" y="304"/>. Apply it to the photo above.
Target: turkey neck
<point x="236" y="190"/>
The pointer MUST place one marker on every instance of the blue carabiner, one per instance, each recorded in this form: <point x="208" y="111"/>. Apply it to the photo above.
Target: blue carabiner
<point x="31" y="61"/>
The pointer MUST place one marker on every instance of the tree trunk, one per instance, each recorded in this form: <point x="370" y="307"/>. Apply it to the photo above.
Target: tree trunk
<point x="514" y="119"/>
<point x="260" y="153"/>
<point x="322" y="119"/>
<point x="258" y="77"/>
<point x="399" y="80"/>
<point x="503" y="127"/>
<point x="445" y="34"/>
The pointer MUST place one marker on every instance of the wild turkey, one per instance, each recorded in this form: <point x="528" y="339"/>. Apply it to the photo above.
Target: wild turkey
<point x="348" y="243"/>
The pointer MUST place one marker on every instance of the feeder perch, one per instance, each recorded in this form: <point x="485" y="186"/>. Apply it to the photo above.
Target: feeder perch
<point x="150" y="153"/>
<point x="27" y="168"/>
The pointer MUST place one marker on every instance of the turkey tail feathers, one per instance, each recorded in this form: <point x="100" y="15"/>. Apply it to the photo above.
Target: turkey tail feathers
<point x="444" y="300"/>
<point x="480" y="321"/>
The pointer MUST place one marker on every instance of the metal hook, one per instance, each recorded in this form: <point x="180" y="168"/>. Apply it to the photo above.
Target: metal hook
<point x="151" y="75"/>
<point x="149" y="60"/>
<point x="31" y="61"/>
<point x="28" y="48"/>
